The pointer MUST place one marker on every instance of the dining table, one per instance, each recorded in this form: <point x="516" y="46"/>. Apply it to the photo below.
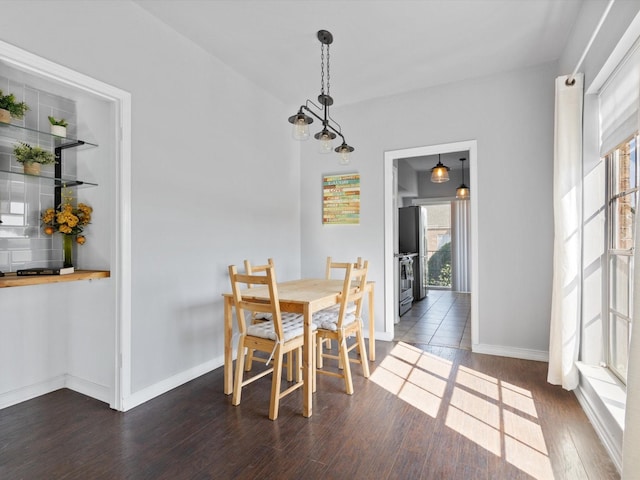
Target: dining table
<point x="304" y="296"/>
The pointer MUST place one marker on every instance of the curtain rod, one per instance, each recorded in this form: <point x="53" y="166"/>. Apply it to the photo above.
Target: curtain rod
<point x="571" y="79"/>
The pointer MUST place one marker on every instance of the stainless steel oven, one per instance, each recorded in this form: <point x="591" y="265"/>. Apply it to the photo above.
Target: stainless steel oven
<point x="405" y="264"/>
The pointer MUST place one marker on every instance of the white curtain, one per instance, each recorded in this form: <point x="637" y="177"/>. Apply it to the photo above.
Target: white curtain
<point x="461" y="245"/>
<point x="564" y="338"/>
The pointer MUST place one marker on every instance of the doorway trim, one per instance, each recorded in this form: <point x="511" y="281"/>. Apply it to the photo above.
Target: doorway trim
<point x="389" y="227"/>
<point x="121" y="269"/>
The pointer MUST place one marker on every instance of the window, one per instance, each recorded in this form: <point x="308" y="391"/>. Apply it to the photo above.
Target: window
<point x="619" y="101"/>
<point x="622" y="199"/>
<point x="438" y="244"/>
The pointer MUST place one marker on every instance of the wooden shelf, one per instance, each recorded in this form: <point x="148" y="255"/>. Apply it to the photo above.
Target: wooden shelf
<point x="13" y="280"/>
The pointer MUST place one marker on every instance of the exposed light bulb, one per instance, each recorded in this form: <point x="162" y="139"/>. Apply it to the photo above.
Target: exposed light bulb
<point x="462" y="193"/>
<point x="345" y="156"/>
<point x="440" y="175"/>
<point x="300" y="129"/>
<point x="325" y="144"/>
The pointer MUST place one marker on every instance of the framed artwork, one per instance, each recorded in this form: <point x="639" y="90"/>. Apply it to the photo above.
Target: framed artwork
<point x="341" y="199"/>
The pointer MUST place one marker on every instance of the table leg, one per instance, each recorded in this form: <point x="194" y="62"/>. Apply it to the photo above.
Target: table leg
<point x="372" y="326"/>
<point x="307" y="365"/>
<point x="228" y="348"/>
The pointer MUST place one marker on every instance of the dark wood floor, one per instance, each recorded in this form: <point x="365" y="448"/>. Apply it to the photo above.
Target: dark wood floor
<point x="438" y="413"/>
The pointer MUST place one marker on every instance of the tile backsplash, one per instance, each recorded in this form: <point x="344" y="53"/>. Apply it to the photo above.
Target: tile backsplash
<point x="22" y="198"/>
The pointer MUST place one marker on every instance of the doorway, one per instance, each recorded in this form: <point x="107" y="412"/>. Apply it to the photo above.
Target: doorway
<point x="390" y="226"/>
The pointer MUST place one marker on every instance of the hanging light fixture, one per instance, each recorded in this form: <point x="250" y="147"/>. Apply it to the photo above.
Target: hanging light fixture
<point x="462" y="192"/>
<point x="330" y="128"/>
<point x="440" y="173"/>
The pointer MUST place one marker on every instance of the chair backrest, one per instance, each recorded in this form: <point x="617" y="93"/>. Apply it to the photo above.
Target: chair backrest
<point x="252" y="270"/>
<point x="240" y="282"/>
<point x="353" y="289"/>
<point x="331" y="265"/>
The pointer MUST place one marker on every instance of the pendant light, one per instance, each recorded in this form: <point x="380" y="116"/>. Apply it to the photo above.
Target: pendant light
<point x="330" y="128"/>
<point x="440" y="173"/>
<point x="462" y="192"/>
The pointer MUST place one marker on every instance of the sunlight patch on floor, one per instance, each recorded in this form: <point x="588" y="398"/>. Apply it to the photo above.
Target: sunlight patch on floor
<point x="479" y="382"/>
<point x="497" y="415"/>
<point x="528" y="432"/>
<point x="528" y="460"/>
<point x="474" y="429"/>
<point x="417" y="377"/>
<point x="476" y="407"/>
<point x="518" y="398"/>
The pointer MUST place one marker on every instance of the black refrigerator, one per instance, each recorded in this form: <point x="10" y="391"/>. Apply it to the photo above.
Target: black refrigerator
<point x="412" y="236"/>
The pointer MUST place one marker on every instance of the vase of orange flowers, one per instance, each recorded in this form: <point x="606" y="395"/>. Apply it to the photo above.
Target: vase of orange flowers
<point x="69" y="220"/>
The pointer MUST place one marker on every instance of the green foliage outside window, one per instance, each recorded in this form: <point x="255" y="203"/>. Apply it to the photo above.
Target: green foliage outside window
<point x="440" y="267"/>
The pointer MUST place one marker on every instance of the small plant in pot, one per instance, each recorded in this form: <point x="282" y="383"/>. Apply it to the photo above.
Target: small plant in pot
<point x="32" y="157"/>
<point x="9" y="107"/>
<point x="58" y="126"/>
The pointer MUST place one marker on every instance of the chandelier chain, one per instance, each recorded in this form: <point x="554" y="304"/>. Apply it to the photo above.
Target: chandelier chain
<point x="322" y="68"/>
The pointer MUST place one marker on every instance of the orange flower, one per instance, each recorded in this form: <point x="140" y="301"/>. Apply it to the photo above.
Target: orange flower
<point x="68" y="220"/>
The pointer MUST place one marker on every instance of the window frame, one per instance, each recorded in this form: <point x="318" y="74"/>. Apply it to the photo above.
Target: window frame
<point x="613" y="313"/>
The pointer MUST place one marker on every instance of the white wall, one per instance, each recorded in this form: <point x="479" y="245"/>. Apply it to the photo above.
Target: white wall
<point x="511" y="117"/>
<point x="214" y="178"/>
<point x="407" y="180"/>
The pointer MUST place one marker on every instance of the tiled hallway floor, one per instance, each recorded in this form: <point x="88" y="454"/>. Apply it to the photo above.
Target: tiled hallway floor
<point x="441" y="318"/>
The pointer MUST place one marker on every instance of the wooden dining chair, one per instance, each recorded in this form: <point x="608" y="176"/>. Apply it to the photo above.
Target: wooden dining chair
<point x="275" y="337"/>
<point x="341" y="267"/>
<point x="261" y="317"/>
<point x="255" y="316"/>
<point x="255" y="269"/>
<point x="342" y="321"/>
<point x="331" y="265"/>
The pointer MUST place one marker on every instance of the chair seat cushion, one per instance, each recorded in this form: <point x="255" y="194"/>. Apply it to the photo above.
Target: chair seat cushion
<point x="292" y="327"/>
<point x="327" y="319"/>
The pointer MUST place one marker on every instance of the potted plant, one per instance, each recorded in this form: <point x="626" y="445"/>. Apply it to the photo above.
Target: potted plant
<point x="58" y="126"/>
<point x="32" y="157"/>
<point x="9" y="107"/>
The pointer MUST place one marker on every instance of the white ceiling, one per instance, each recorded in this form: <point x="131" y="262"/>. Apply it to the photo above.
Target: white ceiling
<point x="380" y="48"/>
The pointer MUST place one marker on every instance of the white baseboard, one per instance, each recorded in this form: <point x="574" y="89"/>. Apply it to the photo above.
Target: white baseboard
<point x="90" y="389"/>
<point x="28" y="392"/>
<point x="85" y="387"/>
<point x="513" y="352"/>
<point x="103" y="393"/>
<point x="164" y="386"/>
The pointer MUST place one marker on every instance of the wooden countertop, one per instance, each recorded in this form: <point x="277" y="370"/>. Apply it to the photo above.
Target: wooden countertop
<point x="12" y="280"/>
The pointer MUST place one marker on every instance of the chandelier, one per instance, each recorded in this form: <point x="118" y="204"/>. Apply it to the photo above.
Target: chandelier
<point x="330" y="128"/>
